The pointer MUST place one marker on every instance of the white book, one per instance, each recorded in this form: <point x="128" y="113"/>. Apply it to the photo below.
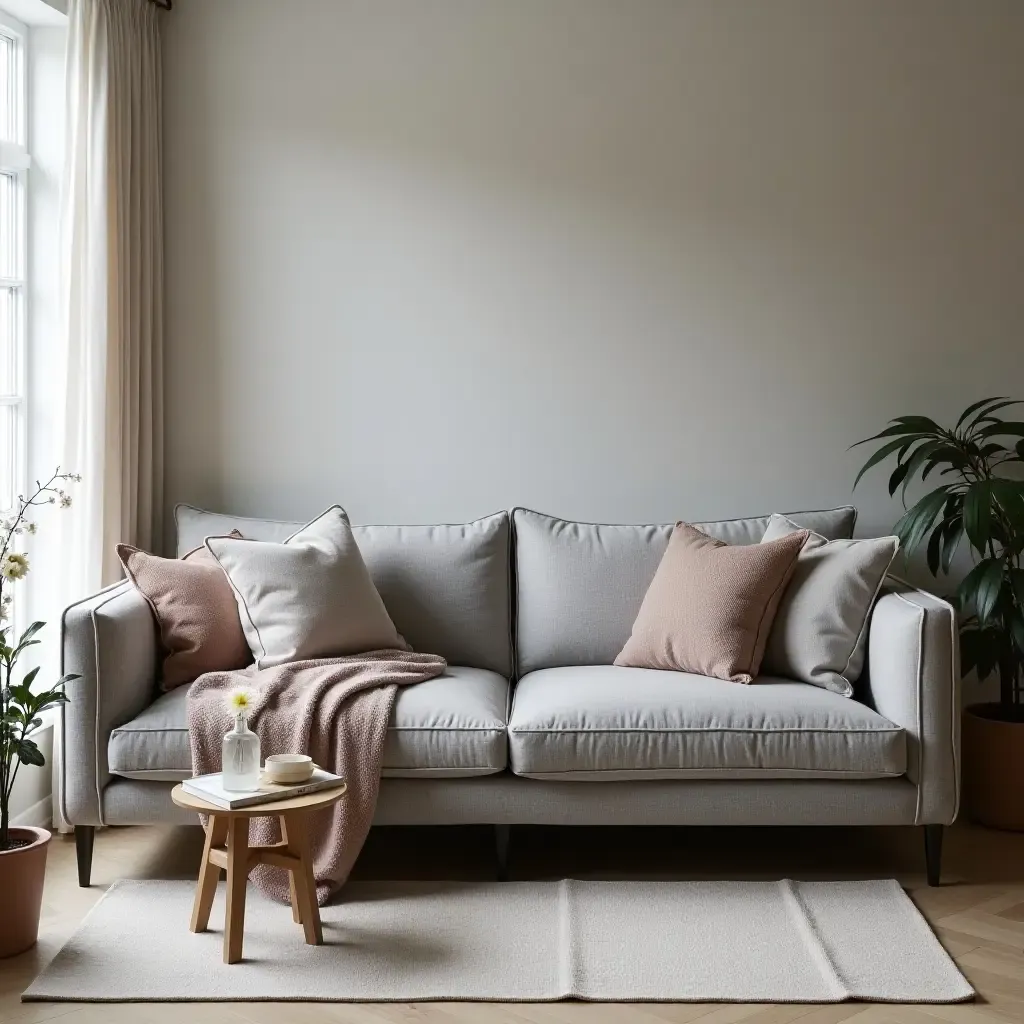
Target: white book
<point x="211" y="789"/>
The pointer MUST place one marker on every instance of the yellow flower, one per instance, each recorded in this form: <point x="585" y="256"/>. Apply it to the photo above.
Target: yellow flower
<point x="14" y="566"/>
<point x="239" y="700"/>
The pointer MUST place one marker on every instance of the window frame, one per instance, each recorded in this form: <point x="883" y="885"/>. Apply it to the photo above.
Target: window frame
<point x="16" y="161"/>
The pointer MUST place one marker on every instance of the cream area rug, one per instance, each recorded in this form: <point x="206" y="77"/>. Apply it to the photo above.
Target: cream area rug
<point x="804" y="942"/>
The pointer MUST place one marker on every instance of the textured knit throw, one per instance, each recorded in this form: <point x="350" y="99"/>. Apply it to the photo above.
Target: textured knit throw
<point x="337" y="711"/>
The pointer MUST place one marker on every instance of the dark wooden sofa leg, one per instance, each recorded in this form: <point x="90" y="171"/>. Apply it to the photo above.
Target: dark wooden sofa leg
<point x="501" y="837"/>
<point x="84" y="836"/>
<point x="933" y="852"/>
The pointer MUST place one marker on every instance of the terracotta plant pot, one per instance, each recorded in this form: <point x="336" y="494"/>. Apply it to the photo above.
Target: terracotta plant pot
<point x="21" y="882"/>
<point x="993" y="766"/>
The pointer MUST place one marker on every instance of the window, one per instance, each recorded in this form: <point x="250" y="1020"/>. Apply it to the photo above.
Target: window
<point x="14" y="162"/>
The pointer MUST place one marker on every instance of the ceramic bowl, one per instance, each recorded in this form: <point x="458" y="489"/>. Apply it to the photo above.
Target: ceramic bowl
<point x="288" y="768"/>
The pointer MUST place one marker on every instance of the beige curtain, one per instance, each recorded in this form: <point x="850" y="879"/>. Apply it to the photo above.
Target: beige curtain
<point x="112" y="236"/>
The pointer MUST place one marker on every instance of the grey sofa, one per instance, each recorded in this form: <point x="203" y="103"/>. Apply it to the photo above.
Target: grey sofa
<point x="532" y="723"/>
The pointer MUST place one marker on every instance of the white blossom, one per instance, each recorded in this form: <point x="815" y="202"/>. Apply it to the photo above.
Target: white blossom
<point x="14" y="566"/>
<point x="239" y="700"/>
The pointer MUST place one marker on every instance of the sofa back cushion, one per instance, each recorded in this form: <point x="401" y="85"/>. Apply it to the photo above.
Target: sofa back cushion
<point x="579" y="586"/>
<point x="193" y="525"/>
<point x="445" y="587"/>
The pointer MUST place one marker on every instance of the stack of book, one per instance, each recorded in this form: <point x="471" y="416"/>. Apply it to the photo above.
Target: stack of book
<point x="210" y="788"/>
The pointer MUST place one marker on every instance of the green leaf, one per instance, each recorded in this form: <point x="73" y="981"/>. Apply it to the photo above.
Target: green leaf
<point x="21" y="647"/>
<point x="897" y="429"/>
<point x="975" y="407"/>
<point x="977" y="502"/>
<point x="988" y="654"/>
<point x="30" y="677"/>
<point x="1017" y="582"/>
<point x="50" y="699"/>
<point x="915" y="523"/>
<point x="969" y="650"/>
<point x="979" y="650"/>
<point x="951" y="534"/>
<point x="29" y="753"/>
<point x="965" y="593"/>
<point x="935" y="551"/>
<point x="883" y="453"/>
<point x="1001" y="428"/>
<point x="1020" y="449"/>
<point x="31" y="632"/>
<point x="987" y="412"/>
<point x="989" y="585"/>
<point x="923" y="424"/>
<point x="945" y="453"/>
<point x="1009" y="494"/>
<point x="1017" y="630"/>
<point x="897" y="477"/>
<point x="21" y="694"/>
<point x="915" y="462"/>
<point x="1017" y="637"/>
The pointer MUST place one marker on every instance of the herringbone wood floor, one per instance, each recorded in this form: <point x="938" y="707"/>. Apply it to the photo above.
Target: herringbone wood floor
<point x="978" y="914"/>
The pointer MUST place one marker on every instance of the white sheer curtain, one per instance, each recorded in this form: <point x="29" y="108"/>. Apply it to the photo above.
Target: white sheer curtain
<point x="112" y="237"/>
<point x="112" y="291"/>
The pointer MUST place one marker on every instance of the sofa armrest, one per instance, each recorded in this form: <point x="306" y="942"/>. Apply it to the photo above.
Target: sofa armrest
<point x="110" y="639"/>
<point x="913" y="679"/>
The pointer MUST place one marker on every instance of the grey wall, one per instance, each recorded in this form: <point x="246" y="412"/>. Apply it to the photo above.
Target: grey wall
<point x="616" y="261"/>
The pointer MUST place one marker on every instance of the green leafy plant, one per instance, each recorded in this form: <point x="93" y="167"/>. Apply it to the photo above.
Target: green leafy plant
<point x="982" y="502"/>
<point x="20" y="707"/>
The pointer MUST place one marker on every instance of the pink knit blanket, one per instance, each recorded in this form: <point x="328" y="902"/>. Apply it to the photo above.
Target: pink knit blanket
<point x="337" y="711"/>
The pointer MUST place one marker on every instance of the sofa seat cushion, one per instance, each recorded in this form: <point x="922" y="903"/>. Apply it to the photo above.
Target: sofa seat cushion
<point x="454" y="725"/>
<point x="605" y="722"/>
<point x="450" y="726"/>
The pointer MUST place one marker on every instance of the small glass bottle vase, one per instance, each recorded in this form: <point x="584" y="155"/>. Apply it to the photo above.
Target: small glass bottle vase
<point x="240" y="758"/>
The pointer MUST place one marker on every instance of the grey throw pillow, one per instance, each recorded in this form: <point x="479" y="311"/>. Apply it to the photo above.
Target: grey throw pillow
<point x="820" y="630"/>
<point x="309" y="597"/>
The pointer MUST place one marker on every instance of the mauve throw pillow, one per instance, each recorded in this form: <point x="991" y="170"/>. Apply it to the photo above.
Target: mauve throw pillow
<point x="710" y="605"/>
<point x="195" y="611"/>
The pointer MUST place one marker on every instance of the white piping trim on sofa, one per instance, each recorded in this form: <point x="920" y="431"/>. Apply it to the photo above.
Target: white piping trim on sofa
<point x="954" y="689"/>
<point x="110" y="594"/>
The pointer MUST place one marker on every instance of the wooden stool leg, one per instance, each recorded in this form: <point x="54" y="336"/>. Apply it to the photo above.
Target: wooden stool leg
<point x="238" y="872"/>
<point x="305" y="887"/>
<point x="292" y="891"/>
<point x="209" y="874"/>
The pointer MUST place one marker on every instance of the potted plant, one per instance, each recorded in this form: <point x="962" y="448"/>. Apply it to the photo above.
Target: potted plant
<point x="982" y="501"/>
<point x="22" y="848"/>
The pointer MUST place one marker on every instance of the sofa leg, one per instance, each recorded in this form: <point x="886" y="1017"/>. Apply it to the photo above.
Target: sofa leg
<point x="84" y="836"/>
<point x="501" y="838"/>
<point x="933" y="852"/>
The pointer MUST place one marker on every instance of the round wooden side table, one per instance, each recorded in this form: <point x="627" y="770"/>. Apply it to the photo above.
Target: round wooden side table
<point x="227" y="846"/>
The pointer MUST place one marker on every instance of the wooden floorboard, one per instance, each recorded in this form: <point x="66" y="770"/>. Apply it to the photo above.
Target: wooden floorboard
<point x="978" y="914"/>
